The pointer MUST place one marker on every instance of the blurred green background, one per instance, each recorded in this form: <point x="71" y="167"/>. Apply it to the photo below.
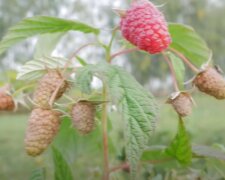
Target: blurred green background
<point x="206" y="125"/>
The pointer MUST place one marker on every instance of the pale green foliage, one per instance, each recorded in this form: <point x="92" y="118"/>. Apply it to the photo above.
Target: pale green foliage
<point x="46" y="44"/>
<point x="180" y="147"/>
<point x="179" y="69"/>
<point x="40" y="25"/>
<point x="138" y="108"/>
<point x="62" y="169"/>
<point x="209" y="152"/>
<point x="35" y="68"/>
<point x="83" y="80"/>
<point x="38" y="174"/>
<point x="189" y="43"/>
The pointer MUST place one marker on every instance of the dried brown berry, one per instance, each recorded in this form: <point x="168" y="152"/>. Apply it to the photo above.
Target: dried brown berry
<point x="182" y="103"/>
<point x="43" y="125"/>
<point x="83" y="114"/>
<point x="6" y="102"/>
<point x="211" y="82"/>
<point x="46" y="87"/>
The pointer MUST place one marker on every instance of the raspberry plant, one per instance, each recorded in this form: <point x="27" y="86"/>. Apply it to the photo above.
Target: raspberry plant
<point x="85" y="107"/>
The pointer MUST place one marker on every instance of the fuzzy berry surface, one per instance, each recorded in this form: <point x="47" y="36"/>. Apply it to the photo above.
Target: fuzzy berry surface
<point x="182" y="104"/>
<point x="6" y="102"/>
<point x="83" y="114"/>
<point x="145" y="27"/>
<point x="42" y="127"/>
<point x="211" y="82"/>
<point x="46" y="87"/>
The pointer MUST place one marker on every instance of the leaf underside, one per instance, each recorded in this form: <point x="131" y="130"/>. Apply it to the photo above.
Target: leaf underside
<point x="36" y="25"/>
<point x="35" y="68"/>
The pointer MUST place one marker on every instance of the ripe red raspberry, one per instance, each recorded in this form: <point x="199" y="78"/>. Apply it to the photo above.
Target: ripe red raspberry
<point x="144" y="26"/>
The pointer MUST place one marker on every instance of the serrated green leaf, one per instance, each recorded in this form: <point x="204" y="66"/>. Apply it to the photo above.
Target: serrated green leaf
<point x="40" y="25"/>
<point x="179" y="69"/>
<point x="83" y="80"/>
<point x="38" y="174"/>
<point x="46" y="44"/>
<point x="62" y="169"/>
<point x="139" y="108"/>
<point x="35" y="68"/>
<point x="180" y="147"/>
<point x="189" y="43"/>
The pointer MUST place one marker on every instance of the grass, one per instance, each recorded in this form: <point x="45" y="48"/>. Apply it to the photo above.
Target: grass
<point x="13" y="160"/>
<point x="206" y="126"/>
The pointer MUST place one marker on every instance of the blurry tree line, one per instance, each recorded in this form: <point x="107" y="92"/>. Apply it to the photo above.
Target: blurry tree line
<point x="206" y="16"/>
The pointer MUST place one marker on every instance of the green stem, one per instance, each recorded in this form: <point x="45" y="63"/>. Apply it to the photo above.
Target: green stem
<point x="105" y="135"/>
<point x="176" y="87"/>
<point x="109" y="47"/>
<point x="104" y="113"/>
<point x="192" y="67"/>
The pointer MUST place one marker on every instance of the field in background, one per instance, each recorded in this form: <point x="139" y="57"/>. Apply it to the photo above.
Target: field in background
<point x="206" y="126"/>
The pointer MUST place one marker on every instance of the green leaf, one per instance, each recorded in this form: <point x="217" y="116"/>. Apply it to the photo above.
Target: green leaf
<point x="179" y="69"/>
<point x="139" y="108"/>
<point x="38" y="174"/>
<point x="40" y="25"/>
<point x="46" y="44"/>
<point x="189" y="43"/>
<point x="155" y="153"/>
<point x="35" y="68"/>
<point x="180" y="147"/>
<point x="81" y="61"/>
<point x="62" y="169"/>
<point x="208" y="152"/>
<point x="83" y="80"/>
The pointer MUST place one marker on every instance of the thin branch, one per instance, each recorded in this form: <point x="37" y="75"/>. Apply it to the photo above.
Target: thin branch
<point x="127" y="166"/>
<point x="172" y="72"/>
<point x="193" y="68"/>
<point x="74" y="54"/>
<point x="125" y="51"/>
<point x="53" y="97"/>
<point x="105" y="135"/>
<point x="120" y="167"/>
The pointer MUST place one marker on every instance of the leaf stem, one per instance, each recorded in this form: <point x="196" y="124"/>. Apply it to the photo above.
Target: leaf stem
<point x="119" y="167"/>
<point x="124" y="51"/>
<point x="126" y="166"/>
<point x="104" y="112"/>
<point x="105" y="135"/>
<point x="192" y="67"/>
<point x="74" y="54"/>
<point x="109" y="46"/>
<point x="53" y="97"/>
<point x="176" y="87"/>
